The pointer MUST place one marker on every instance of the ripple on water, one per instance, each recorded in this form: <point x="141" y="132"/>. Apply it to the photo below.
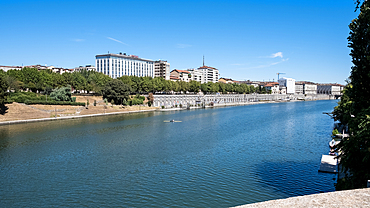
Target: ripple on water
<point x="215" y="158"/>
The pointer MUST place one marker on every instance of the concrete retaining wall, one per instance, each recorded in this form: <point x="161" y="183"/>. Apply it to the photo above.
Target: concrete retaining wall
<point x="170" y="101"/>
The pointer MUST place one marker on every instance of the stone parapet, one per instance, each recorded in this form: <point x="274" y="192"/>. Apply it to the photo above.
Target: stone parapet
<point x="349" y="198"/>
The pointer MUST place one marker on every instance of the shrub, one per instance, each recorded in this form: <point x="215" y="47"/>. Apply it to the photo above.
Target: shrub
<point x="62" y="94"/>
<point x="162" y="106"/>
<point x="335" y="132"/>
<point x="140" y="97"/>
<point x="136" y="101"/>
<point x="94" y="102"/>
<point x="53" y="102"/>
<point x="21" y="97"/>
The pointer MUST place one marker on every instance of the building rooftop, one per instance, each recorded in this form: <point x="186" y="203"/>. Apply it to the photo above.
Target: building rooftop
<point x="181" y="71"/>
<point x="120" y="55"/>
<point x="206" y="67"/>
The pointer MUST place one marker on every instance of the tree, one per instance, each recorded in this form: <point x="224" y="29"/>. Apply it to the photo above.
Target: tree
<point x="3" y="91"/>
<point x="354" y="108"/>
<point x="13" y="83"/>
<point x="116" y="90"/>
<point x="150" y="99"/>
<point x="194" y="86"/>
<point x="62" y="94"/>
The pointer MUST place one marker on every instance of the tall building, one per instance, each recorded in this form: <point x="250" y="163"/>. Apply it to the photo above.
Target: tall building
<point x="118" y="65"/>
<point x="162" y="69"/>
<point x="210" y="74"/>
<point x="289" y="83"/>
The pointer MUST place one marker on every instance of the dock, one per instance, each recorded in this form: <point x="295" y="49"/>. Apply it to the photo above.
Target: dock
<point x="328" y="164"/>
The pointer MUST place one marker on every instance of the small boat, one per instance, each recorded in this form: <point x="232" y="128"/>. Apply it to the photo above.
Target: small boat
<point x="172" y="121"/>
<point x="332" y="143"/>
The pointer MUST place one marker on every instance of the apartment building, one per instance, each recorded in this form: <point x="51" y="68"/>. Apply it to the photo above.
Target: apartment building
<point x="273" y="87"/>
<point x="330" y="89"/>
<point x="118" y="65"/>
<point x="209" y="74"/>
<point x="289" y="83"/>
<point x="196" y="75"/>
<point x="162" y="69"/>
<point x="181" y="75"/>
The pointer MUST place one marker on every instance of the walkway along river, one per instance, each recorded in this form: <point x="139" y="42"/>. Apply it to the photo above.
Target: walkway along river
<point x="187" y="100"/>
<point x="216" y="157"/>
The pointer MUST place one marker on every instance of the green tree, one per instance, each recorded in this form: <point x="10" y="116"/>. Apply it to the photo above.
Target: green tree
<point x="13" y="83"/>
<point x="354" y="108"/>
<point x="194" y="86"/>
<point x="116" y="90"/>
<point x="62" y="94"/>
<point x="3" y="91"/>
<point x="158" y="84"/>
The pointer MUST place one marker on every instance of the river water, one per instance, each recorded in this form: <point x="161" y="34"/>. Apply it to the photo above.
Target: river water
<point x="217" y="157"/>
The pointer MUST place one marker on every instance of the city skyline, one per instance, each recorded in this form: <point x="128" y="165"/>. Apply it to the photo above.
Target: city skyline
<point x="245" y="40"/>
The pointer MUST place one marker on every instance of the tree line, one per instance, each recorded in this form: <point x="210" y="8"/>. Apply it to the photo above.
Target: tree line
<point x="91" y="81"/>
<point x="118" y="90"/>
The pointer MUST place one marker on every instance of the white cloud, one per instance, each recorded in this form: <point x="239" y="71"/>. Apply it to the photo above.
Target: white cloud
<point x="268" y="65"/>
<point x="278" y="54"/>
<point x="78" y="40"/>
<point x="118" y="41"/>
<point x="180" y="45"/>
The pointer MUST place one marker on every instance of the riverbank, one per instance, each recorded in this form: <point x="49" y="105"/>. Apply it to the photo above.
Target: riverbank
<point x="21" y="113"/>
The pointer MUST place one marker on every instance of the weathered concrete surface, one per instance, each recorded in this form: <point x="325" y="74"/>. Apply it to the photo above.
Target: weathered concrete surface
<point x="350" y="198"/>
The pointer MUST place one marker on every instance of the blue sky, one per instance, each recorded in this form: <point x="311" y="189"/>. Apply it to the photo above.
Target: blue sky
<point x="247" y="39"/>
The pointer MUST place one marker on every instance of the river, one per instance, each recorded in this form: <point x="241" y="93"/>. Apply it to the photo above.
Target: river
<point x="217" y="157"/>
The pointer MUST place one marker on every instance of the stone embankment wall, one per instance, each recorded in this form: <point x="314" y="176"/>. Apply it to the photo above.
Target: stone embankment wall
<point x="169" y="101"/>
<point x="349" y="198"/>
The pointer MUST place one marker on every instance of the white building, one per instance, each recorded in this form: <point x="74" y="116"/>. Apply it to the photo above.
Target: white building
<point x="289" y="83"/>
<point x="209" y="74"/>
<point x="273" y="86"/>
<point x="162" y="69"/>
<point x="7" y="68"/>
<point x="87" y="67"/>
<point x="310" y="89"/>
<point x="329" y="89"/>
<point x="118" y="65"/>
<point x="182" y="75"/>
<point x="299" y="88"/>
<point x="196" y="75"/>
<point x="304" y="87"/>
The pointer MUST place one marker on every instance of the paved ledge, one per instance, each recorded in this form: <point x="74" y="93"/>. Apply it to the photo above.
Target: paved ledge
<point x="70" y="117"/>
<point x="349" y="198"/>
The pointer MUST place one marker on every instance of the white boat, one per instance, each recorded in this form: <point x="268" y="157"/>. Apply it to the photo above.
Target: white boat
<point x="332" y="143"/>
